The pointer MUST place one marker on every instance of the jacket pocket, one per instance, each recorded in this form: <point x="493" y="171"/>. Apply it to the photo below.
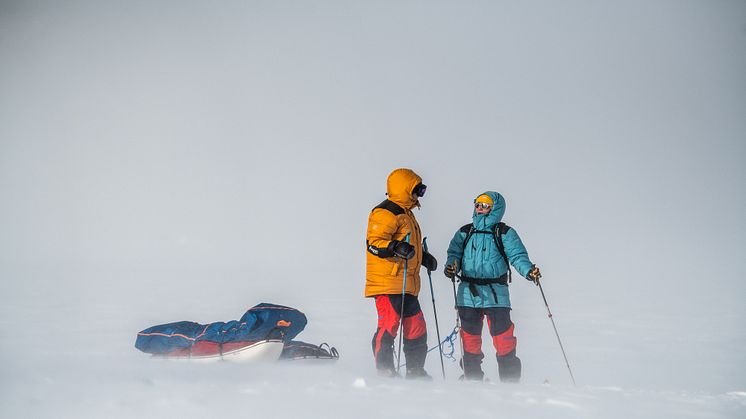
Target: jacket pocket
<point x="394" y="268"/>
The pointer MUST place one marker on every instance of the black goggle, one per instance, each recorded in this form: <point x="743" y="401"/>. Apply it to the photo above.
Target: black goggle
<point x="419" y="190"/>
<point x="482" y="205"/>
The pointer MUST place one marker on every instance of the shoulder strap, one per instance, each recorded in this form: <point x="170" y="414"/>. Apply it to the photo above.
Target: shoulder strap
<point x="500" y="229"/>
<point x="391" y="207"/>
<point x="468" y="230"/>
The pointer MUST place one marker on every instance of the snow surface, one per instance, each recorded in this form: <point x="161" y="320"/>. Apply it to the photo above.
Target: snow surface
<point x="183" y="161"/>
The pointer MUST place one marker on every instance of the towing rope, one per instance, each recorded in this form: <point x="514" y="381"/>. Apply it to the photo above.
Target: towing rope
<point x="450" y="339"/>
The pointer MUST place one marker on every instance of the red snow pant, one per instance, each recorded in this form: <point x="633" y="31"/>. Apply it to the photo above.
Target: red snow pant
<point x="501" y="330"/>
<point x="389" y="307"/>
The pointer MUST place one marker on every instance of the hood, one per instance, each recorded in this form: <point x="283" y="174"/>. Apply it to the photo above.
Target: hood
<point x="488" y="221"/>
<point x="399" y="187"/>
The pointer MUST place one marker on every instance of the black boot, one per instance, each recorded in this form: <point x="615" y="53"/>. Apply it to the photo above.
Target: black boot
<point x="473" y="371"/>
<point x="418" y="374"/>
<point x="472" y="366"/>
<point x="415" y="351"/>
<point x="509" y="368"/>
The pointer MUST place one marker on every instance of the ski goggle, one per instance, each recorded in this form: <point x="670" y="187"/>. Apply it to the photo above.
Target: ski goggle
<point x="419" y="190"/>
<point x="482" y="205"/>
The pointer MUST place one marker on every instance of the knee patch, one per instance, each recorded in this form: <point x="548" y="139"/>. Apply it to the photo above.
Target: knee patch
<point x="414" y="326"/>
<point x="472" y="343"/>
<point x="505" y="342"/>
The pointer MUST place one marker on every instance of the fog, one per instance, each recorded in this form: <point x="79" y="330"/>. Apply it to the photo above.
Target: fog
<point x="179" y="160"/>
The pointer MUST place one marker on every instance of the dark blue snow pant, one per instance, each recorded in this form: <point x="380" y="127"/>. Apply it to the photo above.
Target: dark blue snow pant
<point x="501" y="330"/>
<point x="389" y="308"/>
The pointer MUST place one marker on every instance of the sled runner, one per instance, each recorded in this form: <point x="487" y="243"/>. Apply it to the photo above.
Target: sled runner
<point x="261" y="351"/>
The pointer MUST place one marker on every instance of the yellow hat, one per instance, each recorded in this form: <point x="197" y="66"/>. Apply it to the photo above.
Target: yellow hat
<point x="484" y="198"/>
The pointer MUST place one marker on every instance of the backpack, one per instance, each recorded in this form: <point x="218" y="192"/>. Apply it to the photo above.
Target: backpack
<point x="497" y="232"/>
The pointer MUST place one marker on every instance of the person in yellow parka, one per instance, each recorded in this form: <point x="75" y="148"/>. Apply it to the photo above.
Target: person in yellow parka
<point x="394" y="239"/>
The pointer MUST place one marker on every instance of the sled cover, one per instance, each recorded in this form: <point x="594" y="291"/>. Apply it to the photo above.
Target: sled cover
<point x="261" y="322"/>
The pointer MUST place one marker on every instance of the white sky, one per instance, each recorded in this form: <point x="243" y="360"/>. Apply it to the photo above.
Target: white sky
<point x="186" y="148"/>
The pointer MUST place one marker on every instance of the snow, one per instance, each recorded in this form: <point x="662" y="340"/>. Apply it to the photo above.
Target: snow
<point x="77" y="359"/>
<point x="174" y="161"/>
<point x="153" y="389"/>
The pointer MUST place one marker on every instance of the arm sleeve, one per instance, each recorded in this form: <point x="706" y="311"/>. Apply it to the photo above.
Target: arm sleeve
<point x="516" y="252"/>
<point x="456" y="248"/>
<point x="381" y="229"/>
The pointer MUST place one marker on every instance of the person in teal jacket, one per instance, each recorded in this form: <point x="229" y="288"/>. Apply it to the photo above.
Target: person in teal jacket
<point x="481" y="252"/>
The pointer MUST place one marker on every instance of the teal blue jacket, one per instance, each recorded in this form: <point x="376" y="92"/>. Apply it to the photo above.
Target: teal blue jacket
<point x="480" y="258"/>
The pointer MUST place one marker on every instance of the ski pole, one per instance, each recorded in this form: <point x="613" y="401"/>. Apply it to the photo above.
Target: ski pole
<point x="458" y="319"/>
<point x="555" y="332"/>
<point x="435" y="313"/>
<point x="401" y="313"/>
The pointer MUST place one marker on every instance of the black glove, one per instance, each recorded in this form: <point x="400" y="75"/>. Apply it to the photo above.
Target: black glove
<point x="429" y="261"/>
<point x="402" y="250"/>
<point x="451" y="270"/>
<point x="534" y="275"/>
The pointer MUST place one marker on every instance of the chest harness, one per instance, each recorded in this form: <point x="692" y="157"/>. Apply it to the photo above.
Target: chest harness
<point x="497" y="232"/>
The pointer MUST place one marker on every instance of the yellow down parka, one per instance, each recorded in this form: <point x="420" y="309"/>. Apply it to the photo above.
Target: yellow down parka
<point x="387" y="222"/>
